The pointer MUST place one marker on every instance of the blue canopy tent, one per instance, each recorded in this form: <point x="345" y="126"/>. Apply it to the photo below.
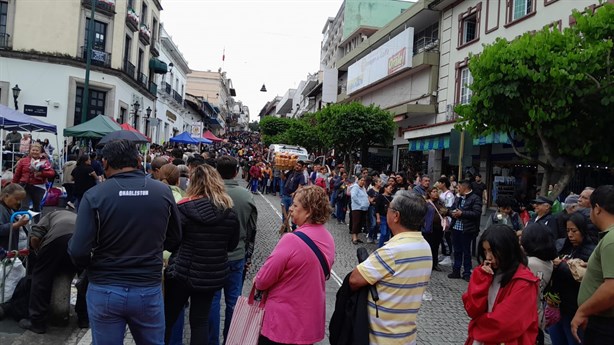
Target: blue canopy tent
<point x="11" y="119"/>
<point x="204" y="140"/>
<point x="184" y="138"/>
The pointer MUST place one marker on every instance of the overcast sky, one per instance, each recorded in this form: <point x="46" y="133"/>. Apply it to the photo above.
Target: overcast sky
<point x="275" y="42"/>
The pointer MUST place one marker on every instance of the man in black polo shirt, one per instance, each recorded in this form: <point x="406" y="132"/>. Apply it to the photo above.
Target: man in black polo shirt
<point x="294" y="180"/>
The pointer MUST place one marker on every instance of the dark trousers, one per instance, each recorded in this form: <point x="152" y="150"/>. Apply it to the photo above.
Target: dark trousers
<point x="357" y="221"/>
<point x="599" y="331"/>
<point x="36" y="195"/>
<point x="462" y="251"/>
<point x="434" y="238"/>
<point x="52" y="260"/>
<point x="176" y="293"/>
<point x="70" y="191"/>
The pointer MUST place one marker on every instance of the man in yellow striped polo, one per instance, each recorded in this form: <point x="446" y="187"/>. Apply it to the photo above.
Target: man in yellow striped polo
<point x="400" y="270"/>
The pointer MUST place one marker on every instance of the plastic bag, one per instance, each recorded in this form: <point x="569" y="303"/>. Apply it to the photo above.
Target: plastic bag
<point x="14" y="272"/>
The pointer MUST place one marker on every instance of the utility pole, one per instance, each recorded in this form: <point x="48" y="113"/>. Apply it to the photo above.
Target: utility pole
<point x="85" y="102"/>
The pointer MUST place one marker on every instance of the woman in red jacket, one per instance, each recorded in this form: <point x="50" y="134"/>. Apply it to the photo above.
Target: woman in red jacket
<point x="500" y="299"/>
<point x="32" y="173"/>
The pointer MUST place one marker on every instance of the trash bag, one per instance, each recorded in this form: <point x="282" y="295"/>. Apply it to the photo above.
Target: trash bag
<point x="14" y="272"/>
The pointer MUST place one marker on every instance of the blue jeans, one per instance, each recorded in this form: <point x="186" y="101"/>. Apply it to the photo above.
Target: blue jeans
<point x="110" y="308"/>
<point x="286" y="202"/>
<point x="254" y="185"/>
<point x="461" y="241"/>
<point x="372" y="223"/>
<point x="384" y="231"/>
<point x="232" y="290"/>
<point x="274" y="185"/>
<point x="340" y="212"/>
<point x="560" y="332"/>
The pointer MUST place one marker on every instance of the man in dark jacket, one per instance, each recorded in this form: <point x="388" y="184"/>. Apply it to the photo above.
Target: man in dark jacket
<point x="543" y="215"/>
<point x="466" y="213"/>
<point x="123" y="225"/>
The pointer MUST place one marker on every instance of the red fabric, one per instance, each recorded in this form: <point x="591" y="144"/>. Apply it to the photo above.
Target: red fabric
<point x="211" y="136"/>
<point x="513" y="319"/>
<point x="23" y="175"/>
<point x="127" y="127"/>
<point x="255" y="172"/>
<point x="320" y="182"/>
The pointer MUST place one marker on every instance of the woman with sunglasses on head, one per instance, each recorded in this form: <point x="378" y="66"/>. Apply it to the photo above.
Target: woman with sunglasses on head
<point x="500" y="298"/>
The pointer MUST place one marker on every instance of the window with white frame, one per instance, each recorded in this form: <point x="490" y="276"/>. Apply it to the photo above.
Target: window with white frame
<point x="521" y="8"/>
<point x="465" y="80"/>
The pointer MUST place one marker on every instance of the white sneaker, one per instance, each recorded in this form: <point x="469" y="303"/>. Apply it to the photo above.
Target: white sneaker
<point x="370" y="240"/>
<point x="446" y="261"/>
<point x="71" y="205"/>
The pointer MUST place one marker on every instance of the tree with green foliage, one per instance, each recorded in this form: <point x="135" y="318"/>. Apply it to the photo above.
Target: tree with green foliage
<point x="273" y="129"/>
<point x="254" y="126"/>
<point x="305" y="131"/>
<point x="352" y="128"/>
<point x="552" y="90"/>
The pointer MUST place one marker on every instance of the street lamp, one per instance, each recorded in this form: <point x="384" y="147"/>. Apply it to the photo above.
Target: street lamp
<point x="263" y="88"/>
<point x="16" y="91"/>
<point x="171" y="65"/>
<point x="148" y="111"/>
<point x="136" y="106"/>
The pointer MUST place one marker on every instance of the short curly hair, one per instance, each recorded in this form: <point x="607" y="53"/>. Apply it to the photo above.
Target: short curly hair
<point x="315" y="200"/>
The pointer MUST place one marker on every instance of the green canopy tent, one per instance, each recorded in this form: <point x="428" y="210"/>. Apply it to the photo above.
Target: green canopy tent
<point x="97" y="127"/>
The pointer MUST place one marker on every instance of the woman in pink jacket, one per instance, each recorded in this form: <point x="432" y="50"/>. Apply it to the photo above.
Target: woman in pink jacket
<point x="293" y="276"/>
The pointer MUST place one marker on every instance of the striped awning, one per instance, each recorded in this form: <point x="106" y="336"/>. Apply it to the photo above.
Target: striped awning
<point x="493" y="138"/>
<point x="432" y="143"/>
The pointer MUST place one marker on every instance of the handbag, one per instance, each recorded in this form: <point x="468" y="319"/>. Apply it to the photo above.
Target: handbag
<point x="316" y="251"/>
<point x="247" y="320"/>
<point x="442" y="219"/>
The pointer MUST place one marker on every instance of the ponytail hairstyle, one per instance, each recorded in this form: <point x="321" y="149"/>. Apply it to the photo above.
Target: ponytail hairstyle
<point x="169" y="174"/>
<point x="206" y="181"/>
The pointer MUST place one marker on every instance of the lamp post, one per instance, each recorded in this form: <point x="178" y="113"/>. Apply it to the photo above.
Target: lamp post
<point x="136" y="107"/>
<point x="88" y="63"/>
<point x="148" y="111"/>
<point x="16" y="91"/>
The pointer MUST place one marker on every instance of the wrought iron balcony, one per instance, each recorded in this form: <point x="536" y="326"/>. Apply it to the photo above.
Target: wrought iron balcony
<point x="129" y="69"/>
<point x="167" y="87"/>
<point x="132" y="20"/>
<point x="143" y="80"/>
<point x="103" y="6"/>
<point x="99" y="56"/>
<point x="5" y="41"/>
<point x="144" y="34"/>
<point x="154" y="48"/>
<point x="153" y="88"/>
<point x="177" y="97"/>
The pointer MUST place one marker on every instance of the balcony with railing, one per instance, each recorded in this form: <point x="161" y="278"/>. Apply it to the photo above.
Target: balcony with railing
<point x="143" y="80"/>
<point x="132" y="20"/>
<point x="129" y="69"/>
<point x="99" y="56"/>
<point x="102" y="6"/>
<point x="177" y="97"/>
<point x="144" y="34"/>
<point x="5" y="41"/>
<point x="153" y="88"/>
<point x="154" y="48"/>
<point x="167" y="87"/>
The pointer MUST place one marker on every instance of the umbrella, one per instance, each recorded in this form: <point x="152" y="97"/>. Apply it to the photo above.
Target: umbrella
<point x="131" y="136"/>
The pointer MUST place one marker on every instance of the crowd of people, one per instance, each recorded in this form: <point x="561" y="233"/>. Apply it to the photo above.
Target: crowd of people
<point x="539" y="271"/>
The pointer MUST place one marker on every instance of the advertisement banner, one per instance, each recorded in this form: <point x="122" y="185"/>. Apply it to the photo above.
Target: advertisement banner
<point x="392" y="57"/>
<point x="197" y="131"/>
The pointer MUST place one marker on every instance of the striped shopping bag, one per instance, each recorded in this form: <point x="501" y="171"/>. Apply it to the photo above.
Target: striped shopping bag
<point x="247" y="319"/>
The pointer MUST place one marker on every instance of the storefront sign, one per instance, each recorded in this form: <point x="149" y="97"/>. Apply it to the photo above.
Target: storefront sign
<point x="34" y="110"/>
<point x="392" y="57"/>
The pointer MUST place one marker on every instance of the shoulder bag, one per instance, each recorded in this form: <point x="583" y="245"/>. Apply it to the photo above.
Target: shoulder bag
<point x="316" y="251"/>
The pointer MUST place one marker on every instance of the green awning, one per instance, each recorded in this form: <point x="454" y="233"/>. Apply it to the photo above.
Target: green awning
<point x="432" y="143"/>
<point x="158" y="66"/>
<point x="493" y="138"/>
